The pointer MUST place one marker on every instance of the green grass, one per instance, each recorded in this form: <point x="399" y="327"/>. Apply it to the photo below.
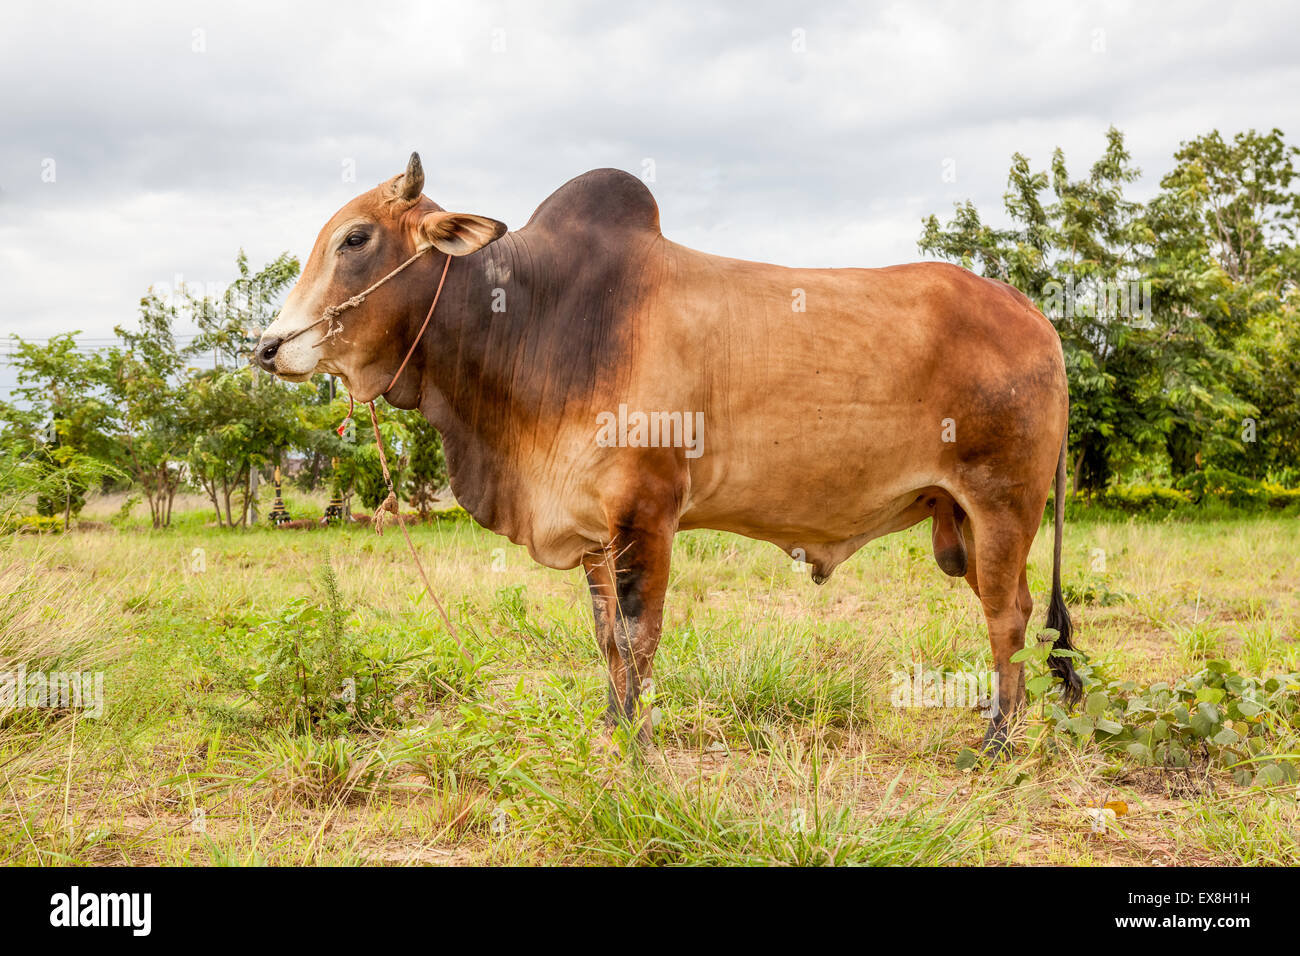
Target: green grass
<point x="775" y="741"/>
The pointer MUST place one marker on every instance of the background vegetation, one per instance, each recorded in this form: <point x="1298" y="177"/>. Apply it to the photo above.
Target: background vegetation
<point x="1178" y="316"/>
<point x="289" y="698"/>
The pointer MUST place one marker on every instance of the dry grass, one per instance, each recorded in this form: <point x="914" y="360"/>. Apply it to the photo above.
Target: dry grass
<point x="777" y="743"/>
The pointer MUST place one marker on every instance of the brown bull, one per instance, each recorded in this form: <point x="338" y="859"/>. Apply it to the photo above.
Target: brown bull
<point x="599" y="388"/>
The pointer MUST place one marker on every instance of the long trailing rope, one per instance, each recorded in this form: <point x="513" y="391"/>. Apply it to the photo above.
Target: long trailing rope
<point x="334" y="311"/>
<point x="389" y="505"/>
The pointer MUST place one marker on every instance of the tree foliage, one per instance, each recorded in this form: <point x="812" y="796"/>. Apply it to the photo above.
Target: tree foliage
<point x="1176" y="316"/>
<point x="141" y="411"/>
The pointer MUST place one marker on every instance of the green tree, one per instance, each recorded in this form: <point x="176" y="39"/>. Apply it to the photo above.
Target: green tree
<point x="24" y="475"/>
<point x="60" y="426"/>
<point x="1177" y="318"/>
<point x="1080" y="249"/>
<point x="359" y="469"/>
<point x="230" y="323"/>
<point x="1227" y="216"/>
<point x="238" y="422"/>
<point x="427" y="466"/>
<point x="144" y="376"/>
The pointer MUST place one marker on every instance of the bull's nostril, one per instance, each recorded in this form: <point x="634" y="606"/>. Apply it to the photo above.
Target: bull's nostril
<point x="266" y="354"/>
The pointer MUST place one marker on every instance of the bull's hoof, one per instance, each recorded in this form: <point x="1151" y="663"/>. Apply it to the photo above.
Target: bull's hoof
<point x="623" y="738"/>
<point x="997" y="743"/>
<point x="605" y="746"/>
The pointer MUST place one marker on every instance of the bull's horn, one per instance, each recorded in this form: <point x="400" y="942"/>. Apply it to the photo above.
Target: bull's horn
<point x="411" y="183"/>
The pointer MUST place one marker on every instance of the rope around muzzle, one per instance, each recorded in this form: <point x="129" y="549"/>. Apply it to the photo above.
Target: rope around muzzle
<point x="356" y="300"/>
<point x="389" y="505"/>
<point x="334" y="311"/>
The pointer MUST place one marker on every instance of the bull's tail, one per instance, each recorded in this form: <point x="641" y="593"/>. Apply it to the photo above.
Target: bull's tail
<point x="1058" y="615"/>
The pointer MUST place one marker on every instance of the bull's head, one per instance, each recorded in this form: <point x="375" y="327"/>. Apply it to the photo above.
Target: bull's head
<point x="363" y="242"/>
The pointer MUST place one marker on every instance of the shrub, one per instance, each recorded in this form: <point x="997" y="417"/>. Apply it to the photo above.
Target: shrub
<point x="32" y="524"/>
<point x="1218" y="485"/>
<point x="310" y="673"/>
<point x="453" y="514"/>
<point x="306" y="670"/>
<point x="1203" y="493"/>
<point x="1215" y="717"/>
<point x="427" y="471"/>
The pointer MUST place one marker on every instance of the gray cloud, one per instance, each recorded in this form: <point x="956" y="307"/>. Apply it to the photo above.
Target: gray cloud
<point x="181" y="133"/>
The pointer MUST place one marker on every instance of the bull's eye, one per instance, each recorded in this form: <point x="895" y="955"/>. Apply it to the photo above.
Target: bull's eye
<point x="356" y="239"/>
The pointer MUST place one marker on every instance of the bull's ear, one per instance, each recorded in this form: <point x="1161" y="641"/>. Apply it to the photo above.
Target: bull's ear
<point x="457" y="233"/>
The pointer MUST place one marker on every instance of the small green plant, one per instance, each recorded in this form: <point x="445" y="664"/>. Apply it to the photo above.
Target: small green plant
<point x="1259" y="645"/>
<point x="1197" y="644"/>
<point x="510" y="608"/>
<point x="319" y="770"/>
<point x="1096" y="590"/>
<point x="124" y="512"/>
<point x="758" y="683"/>
<point x="653" y="820"/>
<point x="310" y="673"/>
<point x="1215" y="718"/>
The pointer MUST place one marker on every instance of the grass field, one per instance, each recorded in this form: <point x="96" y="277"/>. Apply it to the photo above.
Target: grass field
<point x="776" y="739"/>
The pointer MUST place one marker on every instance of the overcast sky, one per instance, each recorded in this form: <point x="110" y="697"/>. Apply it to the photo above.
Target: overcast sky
<point x="805" y="134"/>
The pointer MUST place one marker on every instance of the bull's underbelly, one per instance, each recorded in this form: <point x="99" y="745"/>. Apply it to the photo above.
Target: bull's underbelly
<point x="817" y="490"/>
<point x="824" y="537"/>
<point x="818" y="508"/>
<point x="814" y="517"/>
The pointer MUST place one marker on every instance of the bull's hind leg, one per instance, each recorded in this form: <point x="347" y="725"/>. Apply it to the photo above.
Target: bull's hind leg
<point x="628" y="580"/>
<point x="972" y="565"/>
<point x="1002" y="542"/>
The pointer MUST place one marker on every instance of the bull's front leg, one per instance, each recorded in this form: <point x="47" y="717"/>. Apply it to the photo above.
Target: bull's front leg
<point x="604" y="607"/>
<point x="628" y="580"/>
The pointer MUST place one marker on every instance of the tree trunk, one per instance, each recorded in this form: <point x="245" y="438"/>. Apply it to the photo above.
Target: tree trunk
<point x="172" y="488"/>
<point x="210" y="487"/>
<point x="1183" y="447"/>
<point x="245" y="495"/>
<point x="225" y="494"/>
<point x="151" y="495"/>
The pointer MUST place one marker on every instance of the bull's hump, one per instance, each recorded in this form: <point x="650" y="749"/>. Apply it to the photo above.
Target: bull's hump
<point x="609" y="198"/>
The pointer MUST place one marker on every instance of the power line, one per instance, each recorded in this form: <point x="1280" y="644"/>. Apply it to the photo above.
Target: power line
<point x="46" y="340"/>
